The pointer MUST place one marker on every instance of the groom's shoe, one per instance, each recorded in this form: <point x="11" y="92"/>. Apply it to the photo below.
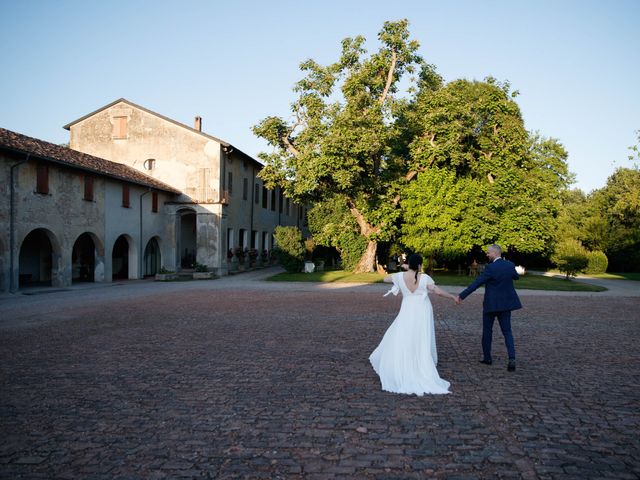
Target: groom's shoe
<point x="486" y="362"/>
<point x="511" y="366"/>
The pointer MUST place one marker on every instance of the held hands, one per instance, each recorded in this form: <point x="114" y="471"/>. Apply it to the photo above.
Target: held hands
<point x="457" y="299"/>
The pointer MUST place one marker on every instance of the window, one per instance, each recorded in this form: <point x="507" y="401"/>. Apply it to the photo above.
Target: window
<point x="42" y="179"/>
<point x="288" y="207"/>
<point x="150" y="163"/>
<point x="273" y="200"/>
<point x="120" y="127"/>
<point x="88" y="188"/>
<point x="256" y="196"/>
<point x="280" y="202"/>
<point x="245" y="188"/>
<point x="230" y="183"/>
<point x="154" y="202"/>
<point x="125" y="195"/>
<point x="264" y="196"/>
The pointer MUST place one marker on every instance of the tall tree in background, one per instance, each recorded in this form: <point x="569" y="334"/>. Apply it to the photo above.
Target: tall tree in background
<point x="616" y="209"/>
<point x="340" y="145"/>
<point x="481" y="177"/>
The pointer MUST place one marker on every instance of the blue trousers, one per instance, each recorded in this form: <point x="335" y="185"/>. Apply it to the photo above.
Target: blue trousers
<point x="504" y="319"/>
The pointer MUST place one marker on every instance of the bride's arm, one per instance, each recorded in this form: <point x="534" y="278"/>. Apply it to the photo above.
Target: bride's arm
<point x="438" y="291"/>
<point x="388" y="279"/>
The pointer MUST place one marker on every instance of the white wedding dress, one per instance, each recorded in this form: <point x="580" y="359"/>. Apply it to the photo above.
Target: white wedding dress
<point x="406" y="358"/>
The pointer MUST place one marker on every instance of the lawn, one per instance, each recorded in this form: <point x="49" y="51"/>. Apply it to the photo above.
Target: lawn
<point x="608" y="276"/>
<point x="618" y="276"/>
<point x="530" y="282"/>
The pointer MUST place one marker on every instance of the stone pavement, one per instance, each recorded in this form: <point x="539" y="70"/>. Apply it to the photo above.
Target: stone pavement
<point x="239" y="378"/>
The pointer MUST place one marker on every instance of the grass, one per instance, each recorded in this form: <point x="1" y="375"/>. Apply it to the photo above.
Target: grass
<point x="530" y="282"/>
<point x="618" y="276"/>
<point x="340" y="276"/>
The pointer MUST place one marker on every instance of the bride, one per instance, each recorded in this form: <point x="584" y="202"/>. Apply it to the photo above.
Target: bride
<point x="406" y="358"/>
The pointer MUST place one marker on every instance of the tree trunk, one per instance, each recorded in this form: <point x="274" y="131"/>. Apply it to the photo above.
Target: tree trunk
<point x="367" y="262"/>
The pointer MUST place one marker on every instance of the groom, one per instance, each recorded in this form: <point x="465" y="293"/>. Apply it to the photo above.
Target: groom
<point x="500" y="298"/>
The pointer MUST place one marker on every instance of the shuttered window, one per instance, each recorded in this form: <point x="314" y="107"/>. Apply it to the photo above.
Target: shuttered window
<point x="42" y="179"/>
<point x="119" y="127"/>
<point x="125" y="195"/>
<point x="154" y="202"/>
<point x="88" y="188"/>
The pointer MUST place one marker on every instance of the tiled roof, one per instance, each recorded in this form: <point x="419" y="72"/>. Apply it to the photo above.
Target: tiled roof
<point x="62" y="155"/>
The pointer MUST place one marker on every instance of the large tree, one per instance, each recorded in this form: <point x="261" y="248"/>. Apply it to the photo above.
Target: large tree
<point x="342" y="141"/>
<point x="481" y="177"/>
<point x="616" y="211"/>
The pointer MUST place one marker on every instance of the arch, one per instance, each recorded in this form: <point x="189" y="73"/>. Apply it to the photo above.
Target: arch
<point x="152" y="257"/>
<point x="87" y="258"/>
<point x="187" y="237"/>
<point x="39" y="258"/>
<point x="124" y="258"/>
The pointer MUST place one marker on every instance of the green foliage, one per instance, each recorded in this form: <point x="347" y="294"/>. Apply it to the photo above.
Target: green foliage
<point x="597" y="262"/>
<point x="333" y="226"/>
<point x="347" y="123"/>
<point x="289" y="248"/>
<point x="440" y="168"/>
<point x="635" y="150"/>
<point x="608" y="219"/>
<point x="483" y="177"/>
<point x="570" y="257"/>
<point x="199" y="267"/>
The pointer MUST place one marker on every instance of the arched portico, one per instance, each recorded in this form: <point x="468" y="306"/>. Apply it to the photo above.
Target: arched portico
<point x="124" y="258"/>
<point x="187" y="237"/>
<point x="87" y="259"/>
<point x="39" y="260"/>
<point x="152" y="257"/>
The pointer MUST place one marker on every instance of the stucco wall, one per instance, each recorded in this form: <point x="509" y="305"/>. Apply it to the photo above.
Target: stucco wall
<point x="183" y="158"/>
<point x="63" y="215"/>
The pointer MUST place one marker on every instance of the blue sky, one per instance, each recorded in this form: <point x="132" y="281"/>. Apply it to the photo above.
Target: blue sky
<point x="575" y="63"/>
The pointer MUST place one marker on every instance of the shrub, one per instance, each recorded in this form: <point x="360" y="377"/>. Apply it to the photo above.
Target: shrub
<point x="201" y="267"/>
<point x="289" y="248"/>
<point x="598" y="262"/>
<point x="570" y="257"/>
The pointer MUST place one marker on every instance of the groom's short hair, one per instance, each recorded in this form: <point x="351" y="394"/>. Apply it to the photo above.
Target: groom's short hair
<point x="496" y="247"/>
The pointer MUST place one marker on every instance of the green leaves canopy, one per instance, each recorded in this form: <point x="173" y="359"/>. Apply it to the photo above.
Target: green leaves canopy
<point x="483" y="178"/>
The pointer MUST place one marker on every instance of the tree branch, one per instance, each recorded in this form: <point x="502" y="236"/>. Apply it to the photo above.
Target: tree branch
<point x="365" y="227"/>
<point x="394" y="58"/>
<point x="287" y="142"/>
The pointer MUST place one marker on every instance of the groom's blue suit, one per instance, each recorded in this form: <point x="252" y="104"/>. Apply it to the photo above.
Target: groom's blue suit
<point x="500" y="298"/>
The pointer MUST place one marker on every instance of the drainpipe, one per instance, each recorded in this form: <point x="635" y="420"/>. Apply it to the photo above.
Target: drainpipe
<point x="253" y="192"/>
<point x="12" y="227"/>
<point x="141" y="254"/>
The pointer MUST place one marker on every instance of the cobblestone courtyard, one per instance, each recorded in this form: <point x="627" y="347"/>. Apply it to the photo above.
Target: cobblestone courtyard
<point x="230" y="378"/>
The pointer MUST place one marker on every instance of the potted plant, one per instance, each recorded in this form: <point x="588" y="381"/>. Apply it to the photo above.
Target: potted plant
<point x="202" y="272"/>
<point x="165" y="275"/>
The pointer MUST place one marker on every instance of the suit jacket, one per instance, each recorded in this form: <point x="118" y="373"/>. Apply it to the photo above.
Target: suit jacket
<point x="499" y="294"/>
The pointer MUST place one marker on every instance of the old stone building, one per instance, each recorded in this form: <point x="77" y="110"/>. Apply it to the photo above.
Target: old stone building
<point x="223" y="206"/>
<point x="135" y="192"/>
<point x="66" y="216"/>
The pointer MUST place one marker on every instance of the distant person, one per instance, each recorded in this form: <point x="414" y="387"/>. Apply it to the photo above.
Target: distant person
<point x="406" y="358"/>
<point x="500" y="298"/>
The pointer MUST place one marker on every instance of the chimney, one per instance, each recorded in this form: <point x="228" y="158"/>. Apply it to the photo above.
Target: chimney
<point x="198" y="125"/>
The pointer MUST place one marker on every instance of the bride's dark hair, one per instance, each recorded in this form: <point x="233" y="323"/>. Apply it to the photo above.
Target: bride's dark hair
<point x="414" y="262"/>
